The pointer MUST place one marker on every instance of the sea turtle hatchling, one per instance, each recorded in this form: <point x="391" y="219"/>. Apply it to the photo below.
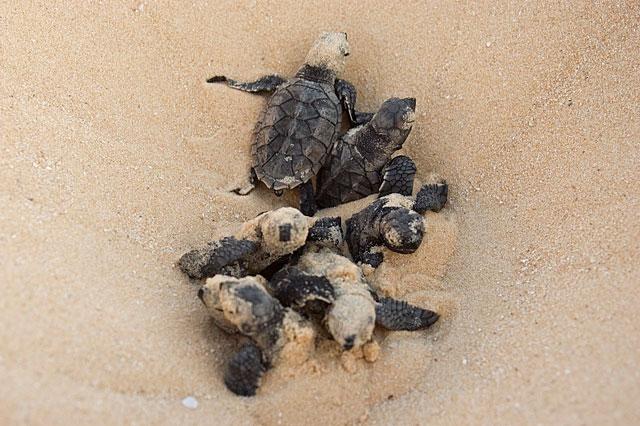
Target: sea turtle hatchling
<point x="260" y="242"/>
<point x="302" y="119"/>
<point x="394" y="221"/>
<point x="352" y="309"/>
<point x="277" y="333"/>
<point x="360" y="162"/>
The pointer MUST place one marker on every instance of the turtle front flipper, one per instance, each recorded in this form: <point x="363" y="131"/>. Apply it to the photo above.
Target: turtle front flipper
<point x="327" y="232"/>
<point x="296" y="289"/>
<point x="244" y="371"/>
<point x="431" y="197"/>
<point x="268" y="83"/>
<point x="363" y="235"/>
<point x="226" y="255"/>
<point x="395" y="314"/>
<point x="347" y="94"/>
<point x="397" y="176"/>
<point x="363" y="117"/>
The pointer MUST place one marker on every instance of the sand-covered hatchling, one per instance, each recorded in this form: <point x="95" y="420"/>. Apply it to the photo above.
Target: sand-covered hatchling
<point x="277" y="334"/>
<point x="302" y="118"/>
<point x="360" y="162"/>
<point x="394" y="221"/>
<point x="260" y="242"/>
<point x="352" y="309"/>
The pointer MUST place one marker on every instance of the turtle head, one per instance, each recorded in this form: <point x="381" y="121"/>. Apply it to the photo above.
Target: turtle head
<point x="284" y="231"/>
<point x="329" y="51"/>
<point x="394" y="119"/>
<point x="351" y="320"/>
<point x="402" y="230"/>
<point x="248" y="306"/>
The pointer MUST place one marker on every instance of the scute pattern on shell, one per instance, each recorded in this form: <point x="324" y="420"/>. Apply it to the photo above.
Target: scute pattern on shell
<point x="347" y="177"/>
<point x="296" y="133"/>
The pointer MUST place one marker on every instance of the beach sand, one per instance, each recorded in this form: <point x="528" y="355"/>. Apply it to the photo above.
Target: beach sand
<point x="116" y="157"/>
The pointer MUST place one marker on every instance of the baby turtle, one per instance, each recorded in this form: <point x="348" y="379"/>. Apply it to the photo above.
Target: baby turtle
<point x="277" y="333"/>
<point x="261" y="242"/>
<point x="394" y="221"/>
<point x="301" y="121"/>
<point x="352" y="309"/>
<point x="360" y="162"/>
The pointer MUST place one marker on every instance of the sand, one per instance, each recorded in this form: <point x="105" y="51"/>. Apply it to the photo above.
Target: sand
<point x="116" y="158"/>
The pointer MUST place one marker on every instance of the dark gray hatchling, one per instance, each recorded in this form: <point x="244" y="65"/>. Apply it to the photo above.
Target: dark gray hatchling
<point x="394" y="221"/>
<point x="360" y="162"/>
<point x="261" y="242"/>
<point x="350" y="308"/>
<point x="277" y="334"/>
<point x="302" y="119"/>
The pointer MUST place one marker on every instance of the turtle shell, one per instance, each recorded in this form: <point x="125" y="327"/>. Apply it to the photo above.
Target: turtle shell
<point x="295" y="133"/>
<point x="346" y="176"/>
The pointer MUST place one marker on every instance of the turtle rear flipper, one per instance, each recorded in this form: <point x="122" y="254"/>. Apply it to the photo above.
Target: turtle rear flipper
<point x="268" y="83"/>
<point x="245" y="370"/>
<point x="431" y="197"/>
<point x="308" y="205"/>
<point x="249" y="186"/>
<point x="397" y="176"/>
<point x="395" y="314"/>
<point x="226" y="254"/>
<point x="294" y="288"/>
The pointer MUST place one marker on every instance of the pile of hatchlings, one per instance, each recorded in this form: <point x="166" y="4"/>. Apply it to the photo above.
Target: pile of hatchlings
<point x="289" y="277"/>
